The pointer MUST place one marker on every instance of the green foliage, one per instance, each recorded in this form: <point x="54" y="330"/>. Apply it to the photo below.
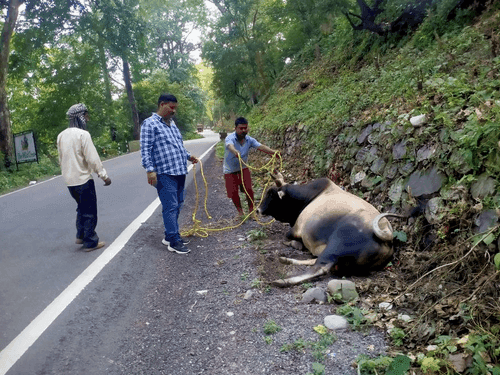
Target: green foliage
<point x="11" y="180"/>
<point x="268" y="340"/>
<point x="383" y="365"/>
<point x="397" y="336"/>
<point x="307" y="285"/>
<point x="354" y="316"/>
<point x="270" y="327"/>
<point x="219" y="150"/>
<point x="256" y="235"/>
<point x="318" y="369"/>
<point x="400" y="236"/>
<point x="256" y="283"/>
<point x="481" y="346"/>
<point x="318" y="348"/>
<point x="430" y="365"/>
<point x="496" y="260"/>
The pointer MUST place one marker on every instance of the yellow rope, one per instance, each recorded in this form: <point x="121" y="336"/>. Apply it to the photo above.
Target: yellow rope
<point x="197" y="229"/>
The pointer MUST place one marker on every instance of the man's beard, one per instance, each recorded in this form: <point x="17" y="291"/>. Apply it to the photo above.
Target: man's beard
<point x="241" y="136"/>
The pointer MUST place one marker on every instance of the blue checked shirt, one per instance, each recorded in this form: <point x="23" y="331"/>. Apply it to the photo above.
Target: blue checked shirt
<point x="162" y="149"/>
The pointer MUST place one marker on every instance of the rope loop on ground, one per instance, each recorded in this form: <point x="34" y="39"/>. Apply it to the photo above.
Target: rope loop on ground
<point x="198" y="230"/>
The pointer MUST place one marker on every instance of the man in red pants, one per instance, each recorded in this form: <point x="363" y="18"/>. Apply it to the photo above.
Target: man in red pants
<point x="239" y="143"/>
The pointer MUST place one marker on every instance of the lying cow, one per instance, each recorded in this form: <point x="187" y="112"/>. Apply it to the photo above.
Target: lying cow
<point x="346" y="234"/>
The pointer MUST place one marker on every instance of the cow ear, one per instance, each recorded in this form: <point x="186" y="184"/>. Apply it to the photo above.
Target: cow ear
<point x="278" y="178"/>
<point x="281" y="194"/>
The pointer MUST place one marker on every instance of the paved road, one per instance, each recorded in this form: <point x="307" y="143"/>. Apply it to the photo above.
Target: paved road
<point x="38" y="257"/>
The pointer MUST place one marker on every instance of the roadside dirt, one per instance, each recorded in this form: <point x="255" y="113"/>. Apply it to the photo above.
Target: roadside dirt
<point x="195" y="319"/>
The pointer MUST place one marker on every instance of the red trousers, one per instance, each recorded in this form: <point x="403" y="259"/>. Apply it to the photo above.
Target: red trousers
<point x="234" y="182"/>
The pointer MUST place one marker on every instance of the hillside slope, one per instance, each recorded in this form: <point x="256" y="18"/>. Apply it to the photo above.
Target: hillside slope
<point x="415" y="131"/>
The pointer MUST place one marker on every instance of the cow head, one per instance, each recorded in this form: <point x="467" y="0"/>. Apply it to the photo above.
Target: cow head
<point x="272" y="204"/>
<point x="276" y="202"/>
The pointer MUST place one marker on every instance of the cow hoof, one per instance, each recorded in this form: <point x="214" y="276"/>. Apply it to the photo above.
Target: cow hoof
<point x="280" y="283"/>
<point x="285" y="260"/>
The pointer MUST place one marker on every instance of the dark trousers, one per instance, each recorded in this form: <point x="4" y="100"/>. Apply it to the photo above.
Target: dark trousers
<point x="171" y="193"/>
<point x="86" y="212"/>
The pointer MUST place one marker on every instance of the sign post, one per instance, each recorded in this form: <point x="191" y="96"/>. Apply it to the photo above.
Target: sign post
<point x="25" y="147"/>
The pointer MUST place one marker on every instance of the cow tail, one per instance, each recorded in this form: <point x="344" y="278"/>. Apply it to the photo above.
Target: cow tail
<point x="383" y="235"/>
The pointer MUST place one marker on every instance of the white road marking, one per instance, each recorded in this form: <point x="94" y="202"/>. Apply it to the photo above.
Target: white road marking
<point x="17" y="347"/>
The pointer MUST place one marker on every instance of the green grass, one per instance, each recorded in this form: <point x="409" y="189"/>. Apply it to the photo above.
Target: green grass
<point x="16" y="179"/>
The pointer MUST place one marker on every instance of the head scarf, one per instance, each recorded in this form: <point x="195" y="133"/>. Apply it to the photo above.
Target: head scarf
<point x="76" y="115"/>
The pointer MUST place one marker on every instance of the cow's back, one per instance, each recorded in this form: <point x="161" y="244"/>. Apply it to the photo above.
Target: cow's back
<point x="331" y="205"/>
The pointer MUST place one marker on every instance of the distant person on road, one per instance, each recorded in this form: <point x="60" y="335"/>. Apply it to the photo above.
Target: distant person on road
<point x="78" y="159"/>
<point x="238" y="177"/>
<point x="165" y="159"/>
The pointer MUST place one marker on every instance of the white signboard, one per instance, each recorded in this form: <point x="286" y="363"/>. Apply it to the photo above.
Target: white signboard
<point x="24" y="144"/>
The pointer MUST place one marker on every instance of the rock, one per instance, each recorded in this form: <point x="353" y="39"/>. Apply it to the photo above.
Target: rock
<point x="483" y="187"/>
<point x="365" y="133"/>
<point x="435" y="210"/>
<point x="460" y="362"/>
<point x="385" y="306"/>
<point x="361" y="155"/>
<point x="336" y="322"/>
<point x="32" y="183"/>
<point x="454" y="193"/>
<point x="391" y="170"/>
<point x="374" y="138"/>
<point x="399" y="150"/>
<point x="378" y="166"/>
<point x="202" y="292"/>
<point x="426" y="182"/>
<point x="405" y="318"/>
<point x="426" y="152"/>
<point x="407" y="168"/>
<point x="314" y="294"/>
<point x="458" y="162"/>
<point x="396" y="190"/>
<point x="418" y="120"/>
<point x="370" y="182"/>
<point x="486" y="220"/>
<point x="344" y="288"/>
<point x="248" y="295"/>
<point x="358" y="177"/>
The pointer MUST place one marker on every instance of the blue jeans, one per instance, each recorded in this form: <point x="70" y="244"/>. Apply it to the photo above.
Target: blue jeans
<point x="171" y="193"/>
<point x="86" y="212"/>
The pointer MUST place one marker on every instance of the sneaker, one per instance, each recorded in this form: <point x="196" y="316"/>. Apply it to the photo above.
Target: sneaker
<point x="78" y="241"/>
<point x="184" y="241"/>
<point x="178" y="247"/>
<point x="98" y="246"/>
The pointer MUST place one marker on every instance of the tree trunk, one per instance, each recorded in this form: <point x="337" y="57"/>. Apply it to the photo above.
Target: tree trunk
<point x="6" y="144"/>
<point x="105" y="73"/>
<point x="131" y="99"/>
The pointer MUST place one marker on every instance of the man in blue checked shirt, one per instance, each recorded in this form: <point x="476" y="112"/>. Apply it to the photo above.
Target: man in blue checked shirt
<point x="165" y="160"/>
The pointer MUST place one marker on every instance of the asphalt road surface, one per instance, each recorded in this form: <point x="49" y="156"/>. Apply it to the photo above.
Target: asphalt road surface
<point x="42" y="270"/>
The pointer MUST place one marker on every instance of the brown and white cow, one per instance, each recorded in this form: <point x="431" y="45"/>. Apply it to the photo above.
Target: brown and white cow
<point x="346" y="234"/>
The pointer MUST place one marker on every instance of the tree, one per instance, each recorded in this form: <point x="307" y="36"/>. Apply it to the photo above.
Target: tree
<point x="42" y="20"/>
<point x="242" y="51"/>
<point x="6" y="146"/>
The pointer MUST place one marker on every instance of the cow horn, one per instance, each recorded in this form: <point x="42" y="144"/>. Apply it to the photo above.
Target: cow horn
<point x="281" y="194"/>
<point x="383" y="235"/>
<point x="278" y="179"/>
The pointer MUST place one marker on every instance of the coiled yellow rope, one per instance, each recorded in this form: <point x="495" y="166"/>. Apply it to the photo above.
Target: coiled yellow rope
<point x="197" y="229"/>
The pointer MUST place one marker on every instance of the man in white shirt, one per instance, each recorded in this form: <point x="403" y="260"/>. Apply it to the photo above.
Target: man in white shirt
<point x="78" y="158"/>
